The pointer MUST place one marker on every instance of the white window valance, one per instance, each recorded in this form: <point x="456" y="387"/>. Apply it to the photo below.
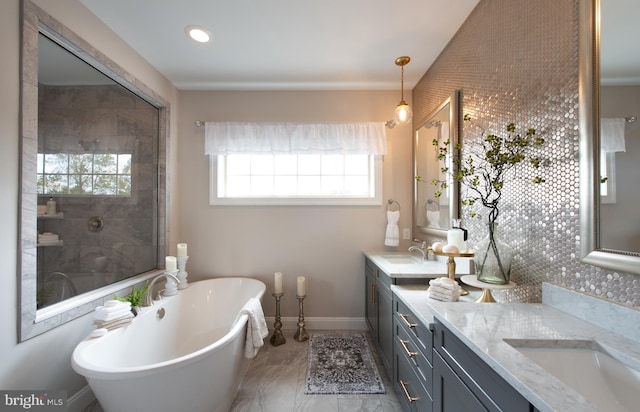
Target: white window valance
<point x="222" y="138"/>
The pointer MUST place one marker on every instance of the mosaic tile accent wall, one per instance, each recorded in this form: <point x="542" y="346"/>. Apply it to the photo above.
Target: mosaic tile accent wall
<point x="517" y="61"/>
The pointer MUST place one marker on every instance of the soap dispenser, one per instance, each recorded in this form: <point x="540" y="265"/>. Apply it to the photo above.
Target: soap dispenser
<point x="51" y="206"/>
<point x="457" y="235"/>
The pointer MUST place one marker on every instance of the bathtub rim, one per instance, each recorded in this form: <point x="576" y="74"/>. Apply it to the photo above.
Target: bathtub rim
<point x="90" y="370"/>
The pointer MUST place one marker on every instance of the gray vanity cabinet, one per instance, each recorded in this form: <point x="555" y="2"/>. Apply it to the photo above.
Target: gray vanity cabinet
<point x="413" y="357"/>
<point x="379" y="312"/>
<point x="464" y="382"/>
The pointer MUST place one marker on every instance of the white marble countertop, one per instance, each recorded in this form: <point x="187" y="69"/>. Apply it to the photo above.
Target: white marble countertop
<point x="484" y="326"/>
<point x="420" y="268"/>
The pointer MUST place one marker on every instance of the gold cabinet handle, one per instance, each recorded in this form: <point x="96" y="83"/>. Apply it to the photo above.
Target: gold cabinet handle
<point x="373" y="294"/>
<point x="406" y="322"/>
<point x="406" y="393"/>
<point x="406" y="349"/>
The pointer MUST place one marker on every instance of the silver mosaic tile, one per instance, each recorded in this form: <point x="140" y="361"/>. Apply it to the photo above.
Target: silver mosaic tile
<point x="517" y="61"/>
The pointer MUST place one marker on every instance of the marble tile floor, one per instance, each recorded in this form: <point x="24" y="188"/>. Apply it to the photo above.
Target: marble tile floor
<point x="275" y="382"/>
<point x="276" y="377"/>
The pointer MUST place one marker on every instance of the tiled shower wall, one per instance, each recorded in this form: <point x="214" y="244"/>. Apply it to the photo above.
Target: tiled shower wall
<point x="517" y="61"/>
<point x="101" y="119"/>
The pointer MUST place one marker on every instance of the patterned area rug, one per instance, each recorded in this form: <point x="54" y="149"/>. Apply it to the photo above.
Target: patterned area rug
<point x="341" y="363"/>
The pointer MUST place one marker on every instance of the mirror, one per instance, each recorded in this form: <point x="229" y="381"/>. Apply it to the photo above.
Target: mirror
<point x="94" y="144"/>
<point x="432" y="214"/>
<point x="609" y="134"/>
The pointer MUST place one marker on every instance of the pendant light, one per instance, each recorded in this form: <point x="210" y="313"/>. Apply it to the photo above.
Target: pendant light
<point x="402" y="114"/>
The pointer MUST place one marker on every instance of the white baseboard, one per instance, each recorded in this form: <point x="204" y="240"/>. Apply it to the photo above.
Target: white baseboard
<point x="321" y="323"/>
<point x="80" y="400"/>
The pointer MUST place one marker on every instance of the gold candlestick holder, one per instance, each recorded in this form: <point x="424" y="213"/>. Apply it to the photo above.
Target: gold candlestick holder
<point x="451" y="264"/>
<point x="301" y="334"/>
<point x="277" y="338"/>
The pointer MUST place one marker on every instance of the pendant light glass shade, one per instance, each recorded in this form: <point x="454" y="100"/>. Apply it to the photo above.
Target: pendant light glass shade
<point x="403" y="113"/>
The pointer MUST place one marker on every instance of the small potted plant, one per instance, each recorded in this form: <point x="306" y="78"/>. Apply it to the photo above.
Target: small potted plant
<point x="136" y="297"/>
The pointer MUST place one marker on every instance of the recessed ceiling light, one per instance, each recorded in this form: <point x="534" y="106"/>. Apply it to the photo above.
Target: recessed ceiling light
<point x="199" y="34"/>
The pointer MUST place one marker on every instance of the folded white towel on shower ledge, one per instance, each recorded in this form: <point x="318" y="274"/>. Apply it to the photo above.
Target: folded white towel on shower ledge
<point x="256" y="327"/>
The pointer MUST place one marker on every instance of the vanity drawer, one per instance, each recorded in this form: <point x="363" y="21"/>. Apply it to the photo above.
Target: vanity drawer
<point x="422" y="334"/>
<point x="489" y="387"/>
<point x="411" y="393"/>
<point x="407" y="349"/>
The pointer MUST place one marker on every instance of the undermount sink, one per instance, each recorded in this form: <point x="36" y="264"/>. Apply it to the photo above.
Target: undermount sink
<point x="589" y="369"/>
<point x="401" y="259"/>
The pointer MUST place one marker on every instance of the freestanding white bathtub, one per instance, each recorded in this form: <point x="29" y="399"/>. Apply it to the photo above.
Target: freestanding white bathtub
<point x="190" y="360"/>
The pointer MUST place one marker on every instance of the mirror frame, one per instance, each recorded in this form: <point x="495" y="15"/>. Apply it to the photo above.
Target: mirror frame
<point x="33" y="321"/>
<point x="589" y="111"/>
<point x="453" y="189"/>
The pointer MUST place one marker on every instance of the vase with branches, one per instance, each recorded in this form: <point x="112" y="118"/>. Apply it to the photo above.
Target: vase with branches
<point x="484" y="172"/>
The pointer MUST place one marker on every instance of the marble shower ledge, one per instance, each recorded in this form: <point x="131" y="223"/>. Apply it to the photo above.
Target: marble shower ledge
<point x="483" y="328"/>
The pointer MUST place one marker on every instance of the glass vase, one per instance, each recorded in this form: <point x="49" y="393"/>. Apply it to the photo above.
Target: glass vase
<point x="493" y="258"/>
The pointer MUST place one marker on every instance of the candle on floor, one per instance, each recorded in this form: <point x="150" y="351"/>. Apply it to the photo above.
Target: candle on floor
<point x="278" y="282"/>
<point x="301" y="286"/>
<point x="182" y="250"/>
<point x="170" y="264"/>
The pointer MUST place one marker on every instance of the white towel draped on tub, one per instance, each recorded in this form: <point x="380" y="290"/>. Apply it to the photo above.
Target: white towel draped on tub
<point x="392" y="236"/>
<point x="256" y="327"/>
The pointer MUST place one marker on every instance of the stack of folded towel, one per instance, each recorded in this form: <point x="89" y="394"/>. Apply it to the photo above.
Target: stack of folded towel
<point x="114" y="314"/>
<point x="444" y="289"/>
<point x="47" y="238"/>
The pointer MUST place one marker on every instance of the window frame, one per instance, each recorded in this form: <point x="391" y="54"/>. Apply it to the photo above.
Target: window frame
<point x="375" y="200"/>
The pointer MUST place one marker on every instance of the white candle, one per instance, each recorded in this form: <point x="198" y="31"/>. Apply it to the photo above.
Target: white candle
<point x="278" y="282"/>
<point x="170" y="264"/>
<point x="182" y="250"/>
<point x="301" y="286"/>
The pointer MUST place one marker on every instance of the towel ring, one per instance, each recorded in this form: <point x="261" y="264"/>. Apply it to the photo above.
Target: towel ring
<point x="390" y="204"/>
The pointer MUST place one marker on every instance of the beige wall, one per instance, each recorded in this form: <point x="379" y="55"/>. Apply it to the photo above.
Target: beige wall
<point x="323" y="243"/>
<point x="44" y="361"/>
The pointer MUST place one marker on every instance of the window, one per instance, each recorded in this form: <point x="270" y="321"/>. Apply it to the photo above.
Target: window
<point x="98" y="174"/>
<point x="295" y="179"/>
<point x="295" y="163"/>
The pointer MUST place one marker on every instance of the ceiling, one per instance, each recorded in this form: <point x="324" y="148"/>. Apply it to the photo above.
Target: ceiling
<point x="287" y="44"/>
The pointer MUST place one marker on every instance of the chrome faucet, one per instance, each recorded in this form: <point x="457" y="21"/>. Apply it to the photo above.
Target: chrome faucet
<point x="148" y="299"/>
<point x="422" y="249"/>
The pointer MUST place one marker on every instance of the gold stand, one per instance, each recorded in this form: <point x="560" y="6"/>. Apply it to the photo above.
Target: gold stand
<point x="486" y="296"/>
<point x="278" y="337"/>
<point x="451" y="264"/>
<point x="301" y="334"/>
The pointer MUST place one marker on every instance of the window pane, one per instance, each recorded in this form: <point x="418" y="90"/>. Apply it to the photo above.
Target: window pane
<point x="124" y="185"/>
<point x="40" y="184"/>
<point x="40" y="163"/>
<point x="286" y="165"/>
<point x="105" y="163"/>
<point x="81" y="164"/>
<point x="124" y="164"/>
<point x="331" y="185"/>
<point x="56" y="184"/>
<point x="333" y="165"/>
<point x="356" y="165"/>
<point x="80" y="184"/>
<point x="309" y="185"/>
<point x="357" y="186"/>
<point x="262" y="165"/>
<point x="309" y="164"/>
<point x="285" y="185"/>
<point x="238" y="164"/>
<point x="238" y="186"/>
<point x="261" y="185"/>
<point x="56" y="163"/>
<point x="105" y="185"/>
